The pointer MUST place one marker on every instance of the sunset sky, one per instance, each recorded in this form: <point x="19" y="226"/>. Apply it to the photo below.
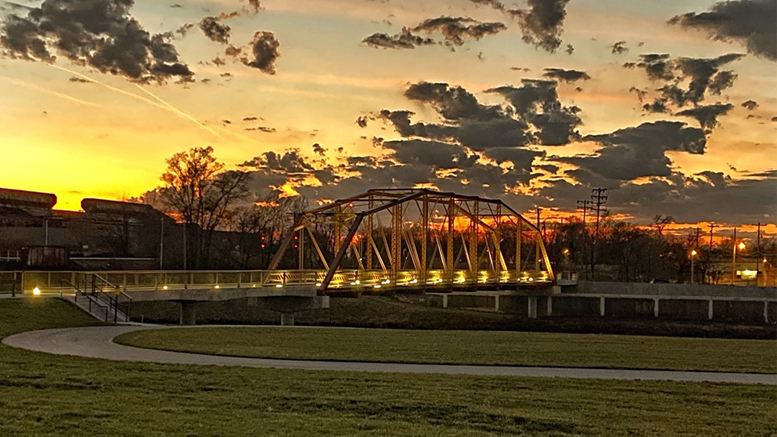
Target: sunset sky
<point x="671" y="105"/>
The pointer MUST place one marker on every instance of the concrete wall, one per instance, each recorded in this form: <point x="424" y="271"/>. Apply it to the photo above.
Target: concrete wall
<point x="733" y="309"/>
<point x="635" y="288"/>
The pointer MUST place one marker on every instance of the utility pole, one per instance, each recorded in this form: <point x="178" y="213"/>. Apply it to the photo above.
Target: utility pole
<point x="712" y="226"/>
<point x="538" y="219"/>
<point x="598" y="198"/>
<point x="585" y="205"/>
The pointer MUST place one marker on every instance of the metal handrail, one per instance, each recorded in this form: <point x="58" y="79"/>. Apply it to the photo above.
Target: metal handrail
<point x="111" y="303"/>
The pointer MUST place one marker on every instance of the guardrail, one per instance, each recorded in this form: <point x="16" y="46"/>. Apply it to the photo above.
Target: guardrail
<point x="67" y="282"/>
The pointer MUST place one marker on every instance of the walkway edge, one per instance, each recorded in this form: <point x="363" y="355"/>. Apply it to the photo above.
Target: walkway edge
<point x="97" y="342"/>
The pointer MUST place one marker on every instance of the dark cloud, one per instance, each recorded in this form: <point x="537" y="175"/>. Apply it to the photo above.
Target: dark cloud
<point x="641" y="94"/>
<point x="750" y="105"/>
<point x="537" y="102"/>
<point x="455" y="30"/>
<point x="752" y="23"/>
<point x="702" y="75"/>
<point x="253" y="6"/>
<point x="215" y="30"/>
<point x="264" y="49"/>
<point x="435" y="154"/>
<point x="251" y="118"/>
<point x="79" y="80"/>
<point x="404" y="40"/>
<point x="658" y="106"/>
<point x="635" y="152"/>
<point x="524" y="69"/>
<point x="289" y="162"/>
<point x="520" y="158"/>
<point x="619" y="48"/>
<point x="318" y="150"/>
<point x="452" y="102"/>
<point x="567" y="76"/>
<point x="265" y="129"/>
<point x="361" y="121"/>
<point x="707" y="116"/>
<point x="570" y="49"/>
<point x="773" y="119"/>
<point x="99" y="33"/>
<point x="542" y="23"/>
<point x="657" y="66"/>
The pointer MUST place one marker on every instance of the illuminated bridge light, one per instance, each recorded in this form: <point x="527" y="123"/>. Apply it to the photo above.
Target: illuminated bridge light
<point x="36" y="291"/>
<point x="278" y="285"/>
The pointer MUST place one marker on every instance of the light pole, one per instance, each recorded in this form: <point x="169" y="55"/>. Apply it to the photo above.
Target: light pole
<point x="735" y="246"/>
<point x="693" y="255"/>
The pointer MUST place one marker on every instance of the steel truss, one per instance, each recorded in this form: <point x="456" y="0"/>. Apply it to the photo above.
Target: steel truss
<point x="419" y="238"/>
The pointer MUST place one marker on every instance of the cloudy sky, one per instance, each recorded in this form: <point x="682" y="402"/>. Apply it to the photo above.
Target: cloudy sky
<point x="671" y="105"/>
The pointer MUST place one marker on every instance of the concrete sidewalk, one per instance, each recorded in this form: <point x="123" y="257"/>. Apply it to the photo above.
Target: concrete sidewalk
<point x="97" y="342"/>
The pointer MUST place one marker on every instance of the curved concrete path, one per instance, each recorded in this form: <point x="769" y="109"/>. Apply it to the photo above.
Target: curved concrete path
<point x="97" y="342"/>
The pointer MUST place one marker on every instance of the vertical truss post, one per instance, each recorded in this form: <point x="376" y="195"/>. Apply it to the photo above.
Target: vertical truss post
<point x="474" y="253"/>
<point x="396" y="241"/>
<point x="338" y="227"/>
<point x="498" y="240"/>
<point x="518" y="242"/>
<point x="537" y="254"/>
<point x="302" y="249"/>
<point x="449" y="246"/>
<point x="424" y="237"/>
<point x="370" y="243"/>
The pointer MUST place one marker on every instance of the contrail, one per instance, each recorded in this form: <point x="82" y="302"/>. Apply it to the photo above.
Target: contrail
<point x="166" y="106"/>
<point x="236" y="134"/>
<point x="44" y="90"/>
<point x="179" y="112"/>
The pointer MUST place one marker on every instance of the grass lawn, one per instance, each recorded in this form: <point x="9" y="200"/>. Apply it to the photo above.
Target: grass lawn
<point x="47" y="395"/>
<point x="469" y="347"/>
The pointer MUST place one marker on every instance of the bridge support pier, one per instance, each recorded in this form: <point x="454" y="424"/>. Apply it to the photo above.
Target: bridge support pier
<point x="532" y="301"/>
<point x="188" y="313"/>
<point x="287" y="319"/>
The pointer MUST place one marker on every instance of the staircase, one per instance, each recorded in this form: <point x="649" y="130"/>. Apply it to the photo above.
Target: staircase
<point x="101" y="305"/>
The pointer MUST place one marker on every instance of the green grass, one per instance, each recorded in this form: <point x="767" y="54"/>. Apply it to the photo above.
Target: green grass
<point x="47" y="395"/>
<point x="469" y="347"/>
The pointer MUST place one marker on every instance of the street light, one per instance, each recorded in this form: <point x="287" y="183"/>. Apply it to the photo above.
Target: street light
<point x="741" y="246"/>
<point x="693" y="255"/>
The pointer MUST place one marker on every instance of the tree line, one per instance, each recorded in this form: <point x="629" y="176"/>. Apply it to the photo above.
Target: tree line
<point x="226" y="226"/>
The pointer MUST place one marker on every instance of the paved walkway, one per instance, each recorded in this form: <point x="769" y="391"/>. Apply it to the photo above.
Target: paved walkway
<point x="97" y="342"/>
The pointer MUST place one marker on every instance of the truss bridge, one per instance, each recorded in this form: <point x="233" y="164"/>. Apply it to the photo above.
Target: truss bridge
<point x="411" y="239"/>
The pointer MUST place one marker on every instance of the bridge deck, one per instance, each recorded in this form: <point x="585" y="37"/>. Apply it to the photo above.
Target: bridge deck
<point x="66" y="282"/>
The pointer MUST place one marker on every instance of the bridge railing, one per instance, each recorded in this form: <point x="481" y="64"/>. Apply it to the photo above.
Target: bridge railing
<point x="66" y="282"/>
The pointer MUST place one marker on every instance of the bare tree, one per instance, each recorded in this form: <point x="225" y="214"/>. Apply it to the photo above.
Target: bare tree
<point x="199" y="192"/>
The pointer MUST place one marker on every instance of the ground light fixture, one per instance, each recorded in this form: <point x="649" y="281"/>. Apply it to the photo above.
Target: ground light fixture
<point x="36" y="291"/>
